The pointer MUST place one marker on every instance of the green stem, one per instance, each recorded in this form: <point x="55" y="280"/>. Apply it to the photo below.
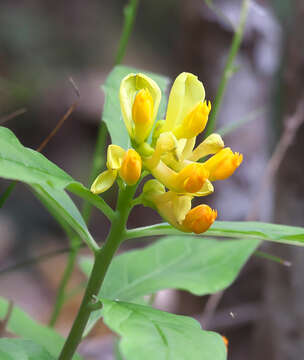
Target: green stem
<point x="129" y="14"/>
<point x="61" y="290"/>
<point x="229" y="67"/>
<point x="103" y="258"/>
<point x="7" y="192"/>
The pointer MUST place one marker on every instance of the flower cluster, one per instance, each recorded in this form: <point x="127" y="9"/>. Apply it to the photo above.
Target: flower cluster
<point x="169" y="153"/>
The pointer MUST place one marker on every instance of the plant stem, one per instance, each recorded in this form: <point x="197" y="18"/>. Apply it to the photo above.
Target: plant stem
<point x="129" y="14"/>
<point x="103" y="258"/>
<point x="64" y="281"/>
<point x="229" y="67"/>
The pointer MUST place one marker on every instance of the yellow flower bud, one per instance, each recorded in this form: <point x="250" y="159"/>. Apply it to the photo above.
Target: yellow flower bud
<point x="199" y="219"/>
<point x="195" y="122"/>
<point x="192" y="178"/>
<point x="142" y="115"/>
<point x="130" y="170"/>
<point x="223" y="164"/>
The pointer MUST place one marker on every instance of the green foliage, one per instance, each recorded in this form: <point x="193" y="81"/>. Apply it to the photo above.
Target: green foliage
<point x="200" y="266"/>
<point x="291" y="235"/>
<point x="47" y="179"/>
<point x="111" y="111"/>
<point x="19" y="349"/>
<point x="23" y="325"/>
<point x="151" y="334"/>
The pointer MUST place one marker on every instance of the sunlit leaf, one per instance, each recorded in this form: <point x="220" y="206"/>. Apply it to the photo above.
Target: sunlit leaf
<point x="151" y="334"/>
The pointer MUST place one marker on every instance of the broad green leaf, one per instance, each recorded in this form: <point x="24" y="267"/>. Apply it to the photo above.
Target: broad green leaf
<point x="291" y="235"/>
<point x="152" y="334"/>
<point x="19" y="349"/>
<point x="48" y="181"/>
<point x="198" y="265"/>
<point x="23" y="325"/>
<point x="23" y="164"/>
<point x="112" y="113"/>
<point x="201" y="266"/>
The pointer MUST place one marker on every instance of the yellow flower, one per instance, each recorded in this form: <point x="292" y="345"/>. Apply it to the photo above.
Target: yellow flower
<point x="191" y="180"/>
<point x="130" y="170"/>
<point x="139" y="101"/>
<point x="126" y="163"/>
<point x="176" y="208"/>
<point x="199" y="219"/>
<point x="223" y="164"/>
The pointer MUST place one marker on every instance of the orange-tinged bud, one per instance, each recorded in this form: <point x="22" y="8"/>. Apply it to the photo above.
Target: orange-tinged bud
<point x="195" y="122"/>
<point x="223" y="164"/>
<point x="192" y="178"/>
<point x="199" y="219"/>
<point x="226" y="342"/>
<point x="130" y="170"/>
<point x="142" y="115"/>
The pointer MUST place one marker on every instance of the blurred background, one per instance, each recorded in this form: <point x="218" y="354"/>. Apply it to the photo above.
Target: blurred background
<point x="43" y="43"/>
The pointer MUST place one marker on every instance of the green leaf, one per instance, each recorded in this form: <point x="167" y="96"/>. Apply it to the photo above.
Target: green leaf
<point x="201" y="266"/>
<point x="198" y="265"/>
<point x="19" y="349"/>
<point x="112" y="113"/>
<point x="291" y="235"/>
<point x="151" y="334"/>
<point x="23" y="325"/>
<point x="48" y="181"/>
<point x="23" y="164"/>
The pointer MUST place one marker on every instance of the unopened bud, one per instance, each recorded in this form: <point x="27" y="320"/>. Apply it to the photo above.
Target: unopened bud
<point x="199" y="219"/>
<point x="195" y="122"/>
<point x="192" y="178"/>
<point x="223" y="164"/>
<point x="142" y="115"/>
<point x="130" y="170"/>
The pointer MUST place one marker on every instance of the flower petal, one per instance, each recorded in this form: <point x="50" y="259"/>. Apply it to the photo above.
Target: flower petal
<point x="187" y="91"/>
<point x="114" y="157"/>
<point x="129" y="87"/>
<point x="211" y="145"/>
<point x="104" y="181"/>
<point x="206" y="189"/>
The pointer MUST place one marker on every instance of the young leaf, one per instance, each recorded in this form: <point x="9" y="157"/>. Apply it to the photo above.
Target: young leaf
<point x="22" y="325"/>
<point x="291" y="235"/>
<point x="198" y="265"/>
<point x="19" y="349"/>
<point x="151" y="334"/>
<point x="111" y="112"/>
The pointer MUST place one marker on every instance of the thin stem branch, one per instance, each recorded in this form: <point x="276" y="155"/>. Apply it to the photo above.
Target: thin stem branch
<point x="229" y="67"/>
<point x="63" y="284"/>
<point x="103" y="258"/>
<point x="129" y="18"/>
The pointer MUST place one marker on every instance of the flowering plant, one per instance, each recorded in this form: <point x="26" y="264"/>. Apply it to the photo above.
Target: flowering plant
<point x="157" y="162"/>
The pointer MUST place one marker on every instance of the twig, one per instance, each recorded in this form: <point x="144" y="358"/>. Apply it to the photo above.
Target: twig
<point x="62" y="120"/>
<point x="229" y="67"/>
<point x="291" y="125"/>
<point x="11" y="116"/>
<point x="210" y="308"/>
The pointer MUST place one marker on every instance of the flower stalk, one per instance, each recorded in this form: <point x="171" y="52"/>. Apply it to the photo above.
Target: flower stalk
<point x="103" y="258"/>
